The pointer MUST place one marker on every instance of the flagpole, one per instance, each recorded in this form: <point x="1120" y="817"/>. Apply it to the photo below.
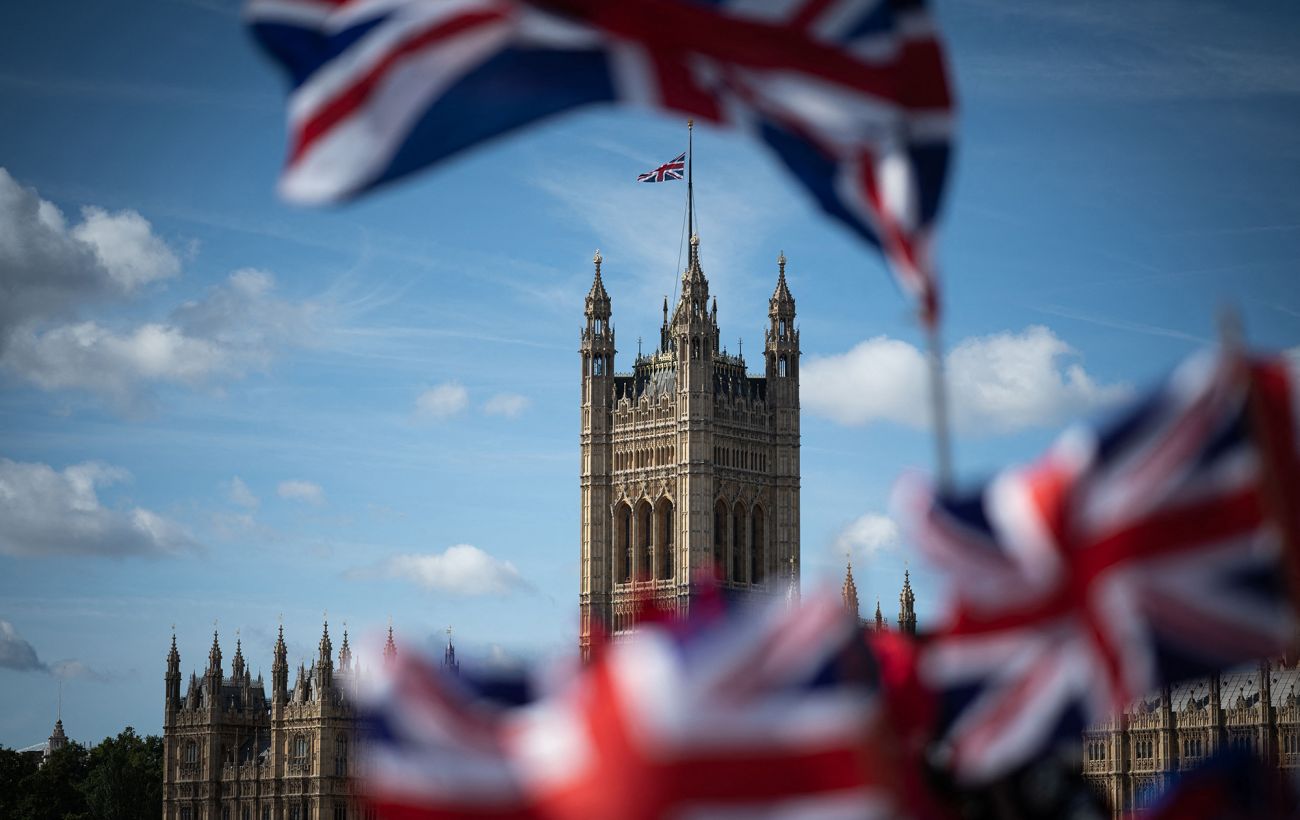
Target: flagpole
<point x="690" y="179"/>
<point x="938" y="403"/>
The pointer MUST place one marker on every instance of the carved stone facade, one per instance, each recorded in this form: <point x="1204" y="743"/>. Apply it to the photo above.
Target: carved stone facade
<point x="1131" y="759"/>
<point x="690" y="464"/>
<point x="230" y="753"/>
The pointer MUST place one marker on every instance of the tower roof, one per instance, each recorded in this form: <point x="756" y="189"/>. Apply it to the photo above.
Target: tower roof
<point x="782" y="300"/>
<point x="597" y="297"/>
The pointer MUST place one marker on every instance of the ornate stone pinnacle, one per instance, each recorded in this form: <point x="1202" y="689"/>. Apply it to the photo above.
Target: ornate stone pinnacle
<point x="780" y="260"/>
<point x="597" y="259"/>
<point x="695" y="240"/>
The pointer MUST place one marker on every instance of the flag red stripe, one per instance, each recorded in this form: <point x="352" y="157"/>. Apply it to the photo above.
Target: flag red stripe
<point x="354" y="96"/>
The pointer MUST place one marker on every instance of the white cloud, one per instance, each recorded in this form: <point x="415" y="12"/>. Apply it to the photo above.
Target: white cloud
<point x="234" y="329"/>
<point x="126" y="248"/>
<point x="442" y="401"/>
<point x="51" y="271"/>
<point x="44" y="512"/>
<point x="239" y="493"/>
<point x="510" y="405"/>
<point x="868" y="535"/>
<point x="461" y="570"/>
<point x="298" y="490"/>
<point x="48" y="269"/>
<point x="997" y="384"/>
<point x="16" y="653"/>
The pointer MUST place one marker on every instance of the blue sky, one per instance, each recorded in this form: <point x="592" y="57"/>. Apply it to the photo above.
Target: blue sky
<point x="229" y="409"/>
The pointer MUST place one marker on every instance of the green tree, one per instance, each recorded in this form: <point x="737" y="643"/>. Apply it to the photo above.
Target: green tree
<point x="14" y="769"/>
<point x="53" y="790"/>
<point x="124" y="778"/>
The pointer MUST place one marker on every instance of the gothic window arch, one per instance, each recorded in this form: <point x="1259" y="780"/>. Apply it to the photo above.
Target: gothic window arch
<point x="341" y="755"/>
<point x="758" y="547"/>
<point x="665" y="545"/>
<point x="191" y="753"/>
<point x="299" y="749"/>
<point x="720" y="516"/>
<point x="645" y="538"/>
<point x="781" y="367"/>
<point x="738" y="521"/>
<point x="623" y="543"/>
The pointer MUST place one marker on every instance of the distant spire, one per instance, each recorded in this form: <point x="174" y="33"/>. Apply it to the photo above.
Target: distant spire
<point x="214" y="654"/>
<point x="390" y="648"/>
<point x="849" y="590"/>
<point x="449" y="661"/>
<point x="237" y="664"/>
<point x="906" y="606"/>
<point x="345" y="651"/>
<point x="880" y="618"/>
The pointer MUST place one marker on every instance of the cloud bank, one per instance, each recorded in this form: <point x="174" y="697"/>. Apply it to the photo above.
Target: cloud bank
<point x="47" y="512"/>
<point x="998" y="384"/>
<point x="462" y="569"/>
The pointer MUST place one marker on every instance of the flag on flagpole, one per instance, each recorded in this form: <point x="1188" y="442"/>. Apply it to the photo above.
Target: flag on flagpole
<point x="672" y="169"/>
<point x="1129" y="557"/>
<point x="852" y="95"/>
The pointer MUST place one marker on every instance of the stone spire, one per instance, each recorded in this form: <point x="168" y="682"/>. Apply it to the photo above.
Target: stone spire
<point x="324" y="665"/>
<point x="598" y="304"/>
<point x="907" y="607"/>
<point x="237" y="664"/>
<point x="280" y="670"/>
<point x="172" y="680"/>
<point x="449" y="662"/>
<point x="880" y="618"/>
<point x="849" y="591"/>
<point x="390" y="648"/>
<point x="345" y="652"/>
<point x="781" y="297"/>
<point x="214" y="657"/>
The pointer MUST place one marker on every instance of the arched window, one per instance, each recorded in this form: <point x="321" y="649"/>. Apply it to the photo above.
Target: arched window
<point x="598" y="366"/>
<point x="738" y="521"/>
<point x="299" y="747"/>
<point x="782" y="329"/>
<point x="758" y="547"/>
<point x="341" y="755"/>
<point x="645" y="534"/>
<point x="780" y="367"/>
<point x="191" y="752"/>
<point x="665" y="545"/>
<point x="720" y="517"/>
<point x="623" y="543"/>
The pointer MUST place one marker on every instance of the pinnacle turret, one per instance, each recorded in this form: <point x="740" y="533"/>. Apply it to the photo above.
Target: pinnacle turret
<point x="849" y="591"/>
<point x="598" y="304"/>
<point x="907" y="607"/>
<point x="390" y="648"/>
<point x="214" y="656"/>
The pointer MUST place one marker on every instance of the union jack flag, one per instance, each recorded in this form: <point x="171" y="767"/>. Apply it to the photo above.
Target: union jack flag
<point x="852" y="95"/>
<point x="761" y="716"/>
<point x="669" y="170"/>
<point x="1145" y="553"/>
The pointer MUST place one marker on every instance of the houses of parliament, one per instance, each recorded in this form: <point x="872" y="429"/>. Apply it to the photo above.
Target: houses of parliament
<point x="689" y="469"/>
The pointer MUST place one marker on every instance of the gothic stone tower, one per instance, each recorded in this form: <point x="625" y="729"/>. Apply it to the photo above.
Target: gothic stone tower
<point x="689" y="464"/>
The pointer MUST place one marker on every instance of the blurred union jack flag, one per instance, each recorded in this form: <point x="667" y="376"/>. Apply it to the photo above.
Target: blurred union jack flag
<point x="1144" y="553"/>
<point x="762" y="716"/>
<point x="852" y="95"/>
<point x="669" y="170"/>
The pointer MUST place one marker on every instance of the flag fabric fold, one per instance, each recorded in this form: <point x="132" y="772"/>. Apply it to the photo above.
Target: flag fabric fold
<point x="761" y="715"/>
<point x="1128" y="557"/>
<point x="851" y="95"/>
<point x="672" y="169"/>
